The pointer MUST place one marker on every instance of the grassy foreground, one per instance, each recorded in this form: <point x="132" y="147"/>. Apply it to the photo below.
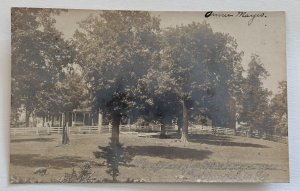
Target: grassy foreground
<point x="206" y="158"/>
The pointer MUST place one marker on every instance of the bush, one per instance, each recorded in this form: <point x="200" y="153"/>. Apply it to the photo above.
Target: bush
<point x="19" y="180"/>
<point x="84" y="175"/>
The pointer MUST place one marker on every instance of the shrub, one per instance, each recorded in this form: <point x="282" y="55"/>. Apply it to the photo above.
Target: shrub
<point x="84" y="175"/>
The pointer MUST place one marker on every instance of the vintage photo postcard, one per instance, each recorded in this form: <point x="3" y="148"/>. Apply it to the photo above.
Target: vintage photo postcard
<point x="137" y="96"/>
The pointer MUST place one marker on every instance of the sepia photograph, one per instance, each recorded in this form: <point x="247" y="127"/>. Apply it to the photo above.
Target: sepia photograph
<point x="115" y="96"/>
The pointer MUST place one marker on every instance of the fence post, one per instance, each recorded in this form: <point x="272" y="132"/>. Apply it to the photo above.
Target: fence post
<point x="79" y="130"/>
<point x="89" y="129"/>
<point x="99" y="122"/>
<point x="129" y="124"/>
<point x="37" y="130"/>
<point x="48" y="130"/>
<point x="14" y="132"/>
<point x="109" y="127"/>
<point x="63" y="117"/>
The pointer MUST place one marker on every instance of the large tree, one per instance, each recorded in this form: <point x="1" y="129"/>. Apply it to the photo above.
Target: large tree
<point x="279" y="108"/>
<point x="115" y="49"/>
<point x="255" y="98"/>
<point x="200" y="69"/>
<point x="158" y="102"/>
<point x="39" y="54"/>
<point x="68" y="93"/>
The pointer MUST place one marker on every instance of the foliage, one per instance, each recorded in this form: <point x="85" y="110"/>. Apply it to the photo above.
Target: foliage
<point x="67" y="94"/>
<point x="199" y="69"/>
<point x="115" y="156"/>
<point x="20" y="180"/>
<point x="122" y="64"/>
<point x="279" y="109"/>
<point x="39" y="54"/>
<point x="115" y="49"/>
<point x="255" y="101"/>
<point x="84" y="175"/>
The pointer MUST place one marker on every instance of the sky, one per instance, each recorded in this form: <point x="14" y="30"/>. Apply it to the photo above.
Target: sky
<point x="265" y="36"/>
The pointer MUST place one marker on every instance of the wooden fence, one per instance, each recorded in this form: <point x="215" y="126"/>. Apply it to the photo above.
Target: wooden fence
<point x="209" y="130"/>
<point x="81" y="129"/>
<point x="193" y="129"/>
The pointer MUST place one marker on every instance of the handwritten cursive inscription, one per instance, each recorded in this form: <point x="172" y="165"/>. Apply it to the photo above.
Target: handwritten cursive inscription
<point x="242" y="14"/>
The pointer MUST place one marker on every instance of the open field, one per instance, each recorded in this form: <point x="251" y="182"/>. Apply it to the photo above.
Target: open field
<point x="206" y="158"/>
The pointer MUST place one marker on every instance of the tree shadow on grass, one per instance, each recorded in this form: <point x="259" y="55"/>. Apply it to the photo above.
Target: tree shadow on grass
<point x="33" y="140"/>
<point x="115" y="156"/>
<point x="169" y="152"/>
<point x="169" y="135"/>
<point x="220" y="141"/>
<point x="36" y="160"/>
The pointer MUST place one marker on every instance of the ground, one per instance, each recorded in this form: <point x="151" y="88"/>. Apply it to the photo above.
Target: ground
<point x="206" y="158"/>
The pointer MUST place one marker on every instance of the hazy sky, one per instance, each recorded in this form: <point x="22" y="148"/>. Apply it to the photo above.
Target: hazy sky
<point x="265" y="36"/>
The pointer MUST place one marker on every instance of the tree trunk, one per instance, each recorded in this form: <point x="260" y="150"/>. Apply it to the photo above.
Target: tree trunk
<point x="65" y="136"/>
<point x="52" y="121"/>
<point x="234" y="132"/>
<point x="60" y="121"/>
<point x="179" y="124"/>
<point x="163" y="130"/>
<point x="185" y="125"/>
<point x="128" y="123"/>
<point x="43" y="121"/>
<point x="100" y="119"/>
<point x="46" y="120"/>
<point x="250" y="132"/>
<point x="27" y="116"/>
<point x="232" y="114"/>
<point x="116" y="118"/>
<point x="34" y="122"/>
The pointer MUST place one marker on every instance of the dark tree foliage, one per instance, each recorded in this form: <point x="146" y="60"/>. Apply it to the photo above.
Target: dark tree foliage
<point x="255" y="99"/>
<point x="199" y="72"/>
<point x="279" y="109"/>
<point x="115" y="49"/>
<point x="39" y="54"/>
<point x="122" y="64"/>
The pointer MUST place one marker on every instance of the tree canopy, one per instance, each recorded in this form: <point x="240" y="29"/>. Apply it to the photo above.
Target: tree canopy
<point x="115" y="49"/>
<point x="123" y="64"/>
<point x="255" y="100"/>
<point x="39" y="54"/>
<point x="199" y="70"/>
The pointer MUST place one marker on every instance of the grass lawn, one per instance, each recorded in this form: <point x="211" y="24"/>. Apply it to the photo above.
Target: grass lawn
<point x="206" y="158"/>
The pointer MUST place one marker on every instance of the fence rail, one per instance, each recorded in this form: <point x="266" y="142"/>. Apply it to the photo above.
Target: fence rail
<point x="81" y="129"/>
<point x="136" y="128"/>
